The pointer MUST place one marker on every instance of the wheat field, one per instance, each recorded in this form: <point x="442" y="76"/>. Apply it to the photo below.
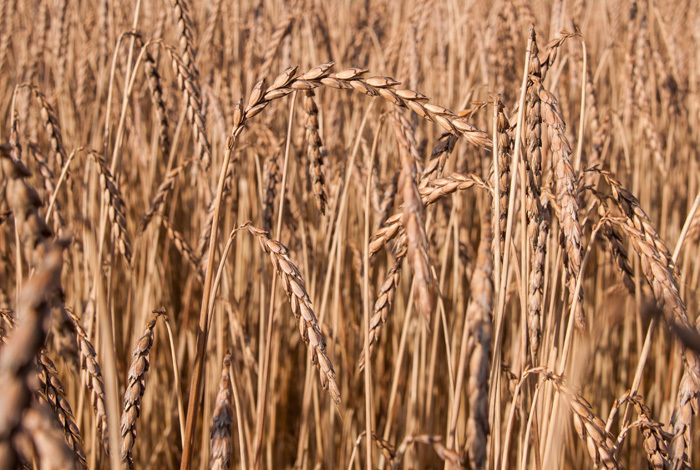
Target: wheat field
<point x="329" y="234"/>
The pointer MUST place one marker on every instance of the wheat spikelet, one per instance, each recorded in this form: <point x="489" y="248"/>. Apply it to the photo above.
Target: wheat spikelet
<point x="566" y="194"/>
<point x="52" y="128"/>
<point x="431" y="191"/>
<point x="191" y="96"/>
<point x="272" y="178"/>
<point x="183" y="247"/>
<point x="505" y="147"/>
<point x="222" y="420"/>
<point x="385" y="300"/>
<point x="654" y="442"/>
<point x="165" y="188"/>
<point x="51" y="390"/>
<point x="135" y="388"/>
<point x="590" y="428"/>
<point x="93" y="380"/>
<point x="315" y="151"/>
<point x="150" y="68"/>
<point x="115" y="206"/>
<point x="413" y="221"/>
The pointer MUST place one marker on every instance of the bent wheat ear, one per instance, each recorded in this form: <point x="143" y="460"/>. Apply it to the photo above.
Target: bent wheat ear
<point x="301" y="308"/>
<point x="93" y="381"/>
<point x="51" y="390"/>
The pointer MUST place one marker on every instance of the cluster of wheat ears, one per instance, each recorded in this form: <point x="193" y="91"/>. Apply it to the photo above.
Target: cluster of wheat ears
<point x="349" y="234"/>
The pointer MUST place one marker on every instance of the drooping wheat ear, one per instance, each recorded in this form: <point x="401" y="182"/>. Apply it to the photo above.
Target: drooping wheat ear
<point x="657" y="268"/>
<point x="165" y="188"/>
<point x="505" y="147"/>
<point x="187" y="80"/>
<point x="413" y="220"/>
<point x="315" y="151"/>
<point x="222" y="421"/>
<point x="478" y="318"/>
<point x="628" y="204"/>
<point x="53" y="129"/>
<point x="183" y="247"/>
<point x="351" y="79"/>
<point x="135" y="388"/>
<point x="301" y="308"/>
<point x="385" y="300"/>
<point x="116" y="206"/>
<point x="590" y="428"/>
<point x="566" y="195"/>
<point x="431" y="191"/>
<point x="93" y="381"/>
<point x="445" y="454"/>
<point x="654" y="443"/>
<point x="150" y="68"/>
<point x="49" y="448"/>
<point x="17" y="356"/>
<point x="51" y="390"/>
<point x="618" y="252"/>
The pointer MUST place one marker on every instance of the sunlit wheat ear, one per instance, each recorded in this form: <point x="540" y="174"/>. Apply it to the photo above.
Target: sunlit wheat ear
<point x="299" y="300"/>
<point x="565" y="180"/>
<point x="537" y="215"/>
<point x="590" y="428"/>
